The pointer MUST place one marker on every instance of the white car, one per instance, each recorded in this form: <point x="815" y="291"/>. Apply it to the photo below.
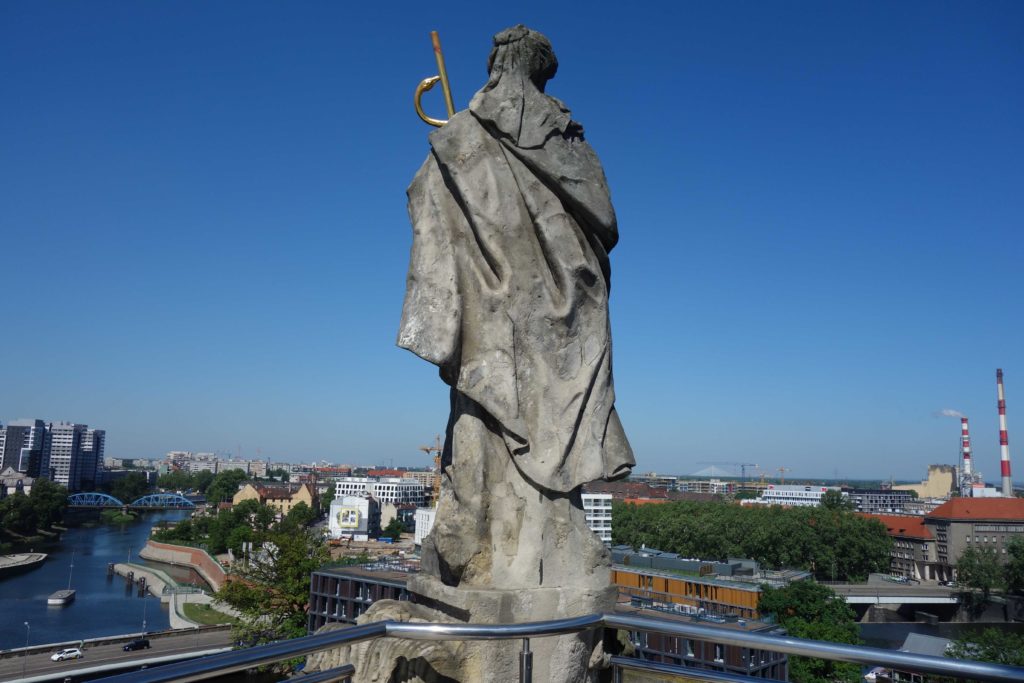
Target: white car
<point x="67" y="653"/>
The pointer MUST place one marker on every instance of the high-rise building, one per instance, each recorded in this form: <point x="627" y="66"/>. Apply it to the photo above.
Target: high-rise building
<point x="64" y="464"/>
<point x="22" y="444"/>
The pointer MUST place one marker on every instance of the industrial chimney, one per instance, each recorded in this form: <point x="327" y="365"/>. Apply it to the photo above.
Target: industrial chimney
<point x="1004" y="442"/>
<point x="966" y="474"/>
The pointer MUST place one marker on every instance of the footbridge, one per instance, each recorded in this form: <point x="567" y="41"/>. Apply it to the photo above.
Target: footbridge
<point x="153" y="501"/>
<point x="899" y="594"/>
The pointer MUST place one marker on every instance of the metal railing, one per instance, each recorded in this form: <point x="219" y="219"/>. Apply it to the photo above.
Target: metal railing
<point x="239" y="660"/>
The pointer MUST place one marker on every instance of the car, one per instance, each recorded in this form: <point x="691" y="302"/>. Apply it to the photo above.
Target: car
<point x="66" y="653"/>
<point x="137" y="644"/>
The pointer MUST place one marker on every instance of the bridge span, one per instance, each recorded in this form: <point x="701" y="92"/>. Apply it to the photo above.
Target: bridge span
<point x="153" y="501"/>
<point x="895" y="594"/>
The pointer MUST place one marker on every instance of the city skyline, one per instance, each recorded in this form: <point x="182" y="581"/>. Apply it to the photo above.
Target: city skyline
<point x="818" y="207"/>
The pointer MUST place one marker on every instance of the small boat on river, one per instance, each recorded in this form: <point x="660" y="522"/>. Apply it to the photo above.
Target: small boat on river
<point x="66" y="596"/>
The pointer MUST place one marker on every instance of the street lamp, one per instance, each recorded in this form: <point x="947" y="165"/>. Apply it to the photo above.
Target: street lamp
<point x="24" y="659"/>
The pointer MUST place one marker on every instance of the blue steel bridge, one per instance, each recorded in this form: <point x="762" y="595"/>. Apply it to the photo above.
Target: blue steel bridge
<point x="154" y="501"/>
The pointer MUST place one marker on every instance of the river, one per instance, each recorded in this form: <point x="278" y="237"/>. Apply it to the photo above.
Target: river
<point x="102" y="606"/>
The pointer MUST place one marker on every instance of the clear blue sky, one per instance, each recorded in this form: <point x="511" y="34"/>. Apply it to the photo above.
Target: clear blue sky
<point x="203" y="234"/>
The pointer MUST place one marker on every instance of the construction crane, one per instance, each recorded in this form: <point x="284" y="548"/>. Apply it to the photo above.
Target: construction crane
<point x="742" y="465"/>
<point x="782" y="474"/>
<point x="435" y="492"/>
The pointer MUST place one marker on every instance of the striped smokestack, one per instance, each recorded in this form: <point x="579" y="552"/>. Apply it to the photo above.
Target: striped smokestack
<point x="1004" y="442"/>
<point x="965" y="444"/>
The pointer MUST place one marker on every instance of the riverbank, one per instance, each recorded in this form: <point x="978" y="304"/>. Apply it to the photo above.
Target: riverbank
<point x="102" y="606"/>
<point x="160" y="584"/>
<point x="186" y="556"/>
<point x="19" y="563"/>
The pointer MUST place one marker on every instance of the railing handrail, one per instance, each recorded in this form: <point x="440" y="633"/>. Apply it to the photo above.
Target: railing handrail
<point x="215" y="665"/>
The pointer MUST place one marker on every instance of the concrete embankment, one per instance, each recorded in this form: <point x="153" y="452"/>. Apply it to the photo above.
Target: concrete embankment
<point x="185" y="556"/>
<point x="20" y="562"/>
<point x="161" y="585"/>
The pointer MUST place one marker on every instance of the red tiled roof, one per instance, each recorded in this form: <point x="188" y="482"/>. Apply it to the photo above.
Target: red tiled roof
<point x="980" y="509"/>
<point x="908" y="526"/>
<point x="384" y="472"/>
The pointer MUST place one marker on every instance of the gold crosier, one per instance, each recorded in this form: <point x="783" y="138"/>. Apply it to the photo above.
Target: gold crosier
<point x="428" y="83"/>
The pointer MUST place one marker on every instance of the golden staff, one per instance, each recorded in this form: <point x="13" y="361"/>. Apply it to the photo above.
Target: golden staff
<point x="428" y="83"/>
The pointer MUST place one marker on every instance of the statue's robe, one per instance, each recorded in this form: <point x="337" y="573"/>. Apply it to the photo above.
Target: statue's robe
<point x="508" y="288"/>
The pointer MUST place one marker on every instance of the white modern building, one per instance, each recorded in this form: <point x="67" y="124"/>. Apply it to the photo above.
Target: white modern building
<point x="397" y="490"/>
<point x="355" y="517"/>
<point x="796" y="495"/>
<point x="598" y="509"/>
<point x="424" y="523"/>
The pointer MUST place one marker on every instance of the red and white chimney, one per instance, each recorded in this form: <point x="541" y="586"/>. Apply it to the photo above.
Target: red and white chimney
<point x="965" y="445"/>
<point x="1004" y="442"/>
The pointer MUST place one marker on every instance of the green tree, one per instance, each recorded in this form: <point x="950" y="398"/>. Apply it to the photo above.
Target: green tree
<point x="326" y="498"/>
<point x="49" y="501"/>
<point x="18" y="515"/>
<point x="829" y="542"/>
<point x="393" y="530"/>
<point x="991" y="645"/>
<point x="980" y="570"/>
<point x="201" y="480"/>
<point x="178" y="480"/>
<point x="281" y="474"/>
<point x="1013" y="570"/>
<point x="298" y="517"/>
<point x="271" y="591"/>
<point x="225" y="485"/>
<point x="835" y="500"/>
<point x="809" y="610"/>
<point x="130" y="487"/>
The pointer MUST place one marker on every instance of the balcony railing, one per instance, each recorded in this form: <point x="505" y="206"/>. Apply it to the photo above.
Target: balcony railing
<point x="239" y="660"/>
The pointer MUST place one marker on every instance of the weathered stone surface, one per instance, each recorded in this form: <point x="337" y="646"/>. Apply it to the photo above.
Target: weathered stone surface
<point x="507" y="294"/>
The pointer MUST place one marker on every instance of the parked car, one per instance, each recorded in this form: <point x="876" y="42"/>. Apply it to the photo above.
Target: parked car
<point x="137" y="644"/>
<point x="66" y="653"/>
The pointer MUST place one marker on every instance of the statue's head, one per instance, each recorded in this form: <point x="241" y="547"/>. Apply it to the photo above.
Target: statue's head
<point x="523" y="51"/>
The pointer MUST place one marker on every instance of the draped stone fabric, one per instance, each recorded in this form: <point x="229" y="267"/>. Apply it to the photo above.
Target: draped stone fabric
<point x="509" y="277"/>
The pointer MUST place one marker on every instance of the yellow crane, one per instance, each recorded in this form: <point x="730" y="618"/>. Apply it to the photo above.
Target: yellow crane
<point x="782" y="474"/>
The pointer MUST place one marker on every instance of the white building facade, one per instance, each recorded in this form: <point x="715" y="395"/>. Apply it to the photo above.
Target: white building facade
<point x="396" y="490"/>
<point x="424" y="523"/>
<point x="797" y="495"/>
<point x="598" y="509"/>
<point x="355" y="517"/>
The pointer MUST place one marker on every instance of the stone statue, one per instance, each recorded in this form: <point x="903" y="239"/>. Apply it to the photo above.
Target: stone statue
<point x="507" y="294"/>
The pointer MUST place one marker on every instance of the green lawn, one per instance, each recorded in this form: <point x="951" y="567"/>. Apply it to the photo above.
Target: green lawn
<point x="206" y="615"/>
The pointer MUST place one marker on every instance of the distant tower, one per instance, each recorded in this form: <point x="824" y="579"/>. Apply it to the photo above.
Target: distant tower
<point x="966" y="474"/>
<point x="1004" y="442"/>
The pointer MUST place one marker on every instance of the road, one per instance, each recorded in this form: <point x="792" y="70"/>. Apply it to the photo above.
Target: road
<point x="39" y="664"/>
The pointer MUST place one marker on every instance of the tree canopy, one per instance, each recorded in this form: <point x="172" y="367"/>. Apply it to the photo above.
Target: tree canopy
<point x="810" y="610"/>
<point x="225" y="485"/>
<point x="271" y="590"/>
<point x="979" y="569"/>
<point x="42" y="508"/>
<point x="990" y="645"/>
<point x="831" y="543"/>
<point x="130" y="487"/>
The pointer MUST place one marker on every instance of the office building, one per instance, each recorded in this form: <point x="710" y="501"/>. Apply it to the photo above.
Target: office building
<point x="22" y="445"/>
<point x="397" y="490"/>
<point x="598" y="510"/>
<point x="879" y="501"/>
<point x="797" y="495"/>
